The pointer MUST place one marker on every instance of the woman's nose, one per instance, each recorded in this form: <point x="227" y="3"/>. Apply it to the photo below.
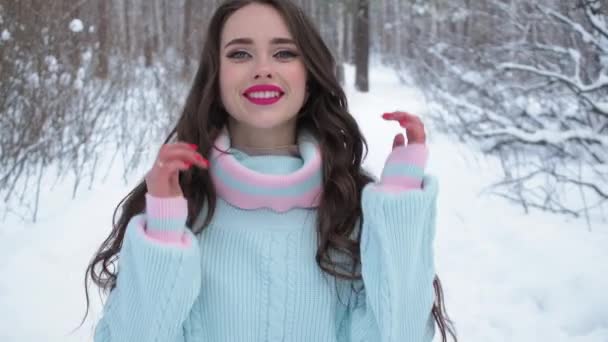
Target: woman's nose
<point x="262" y="74"/>
<point x="263" y="69"/>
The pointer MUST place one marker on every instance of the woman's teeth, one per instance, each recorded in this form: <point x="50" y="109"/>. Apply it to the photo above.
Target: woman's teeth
<point x="264" y="95"/>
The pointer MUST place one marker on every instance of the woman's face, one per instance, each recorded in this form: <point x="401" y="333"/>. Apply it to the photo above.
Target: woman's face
<point x="262" y="76"/>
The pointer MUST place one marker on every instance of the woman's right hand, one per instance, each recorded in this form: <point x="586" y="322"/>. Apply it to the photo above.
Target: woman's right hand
<point x="163" y="179"/>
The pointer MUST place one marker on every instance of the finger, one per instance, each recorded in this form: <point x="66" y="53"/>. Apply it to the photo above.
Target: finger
<point x="399" y="140"/>
<point x="415" y="132"/>
<point x="173" y="166"/>
<point x="178" y="146"/>
<point x="397" y="115"/>
<point x="189" y="158"/>
<point x="186" y="154"/>
<point x="401" y="116"/>
<point x="407" y="117"/>
<point x="411" y="124"/>
<point x="388" y="116"/>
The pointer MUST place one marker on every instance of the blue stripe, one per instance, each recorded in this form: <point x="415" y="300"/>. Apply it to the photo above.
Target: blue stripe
<point x="286" y="191"/>
<point x="166" y="223"/>
<point x="398" y="169"/>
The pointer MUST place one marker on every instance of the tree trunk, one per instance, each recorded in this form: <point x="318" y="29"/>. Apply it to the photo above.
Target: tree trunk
<point x="347" y="43"/>
<point x="385" y="26"/>
<point x="157" y="30"/>
<point x="148" y="38"/>
<point x="127" y="23"/>
<point x="73" y="45"/>
<point x="186" y="46"/>
<point x="164" y="27"/>
<point x="341" y="14"/>
<point x="362" y="46"/>
<point x="102" y="36"/>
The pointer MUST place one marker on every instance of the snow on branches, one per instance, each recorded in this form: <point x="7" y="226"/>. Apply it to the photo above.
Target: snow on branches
<point x="538" y="100"/>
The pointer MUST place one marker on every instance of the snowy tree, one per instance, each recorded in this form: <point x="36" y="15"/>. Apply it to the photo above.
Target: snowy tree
<point x="534" y="95"/>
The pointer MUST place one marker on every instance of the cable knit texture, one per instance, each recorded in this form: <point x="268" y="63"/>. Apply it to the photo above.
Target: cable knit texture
<point x="251" y="274"/>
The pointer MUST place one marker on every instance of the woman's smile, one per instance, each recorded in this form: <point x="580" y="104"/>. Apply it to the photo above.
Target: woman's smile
<point x="264" y="94"/>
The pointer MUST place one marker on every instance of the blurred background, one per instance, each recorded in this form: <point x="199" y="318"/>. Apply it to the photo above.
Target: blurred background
<point x="525" y="80"/>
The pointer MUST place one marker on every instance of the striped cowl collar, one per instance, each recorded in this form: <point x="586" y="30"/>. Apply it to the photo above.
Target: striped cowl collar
<point x="249" y="189"/>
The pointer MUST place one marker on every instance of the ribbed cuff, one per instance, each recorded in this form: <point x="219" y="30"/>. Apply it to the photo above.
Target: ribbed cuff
<point x="166" y="214"/>
<point x="404" y="168"/>
<point x="166" y="219"/>
<point x="416" y="154"/>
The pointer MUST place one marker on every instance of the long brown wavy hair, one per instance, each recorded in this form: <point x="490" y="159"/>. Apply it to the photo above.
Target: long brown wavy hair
<point x="325" y="114"/>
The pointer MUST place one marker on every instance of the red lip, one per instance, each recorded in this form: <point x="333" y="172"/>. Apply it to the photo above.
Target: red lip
<point x="263" y="87"/>
<point x="260" y="88"/>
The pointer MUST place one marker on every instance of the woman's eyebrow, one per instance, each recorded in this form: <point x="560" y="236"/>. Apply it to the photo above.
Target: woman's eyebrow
<point x="249" y="41"/>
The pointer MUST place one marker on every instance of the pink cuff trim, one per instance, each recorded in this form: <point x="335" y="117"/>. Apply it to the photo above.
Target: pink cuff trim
<point x="402" y="182"/>
<point x="178" y="239"/>
<point x="166" y="207"/>
<point x="393" y="189"/>
<point x="414" y="154"/>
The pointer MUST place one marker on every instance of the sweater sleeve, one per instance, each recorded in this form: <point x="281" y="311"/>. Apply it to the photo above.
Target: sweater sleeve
<point x="159" y="277"/>
<point x="397" y="253"/>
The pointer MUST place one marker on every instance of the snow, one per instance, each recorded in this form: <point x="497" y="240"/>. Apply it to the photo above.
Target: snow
<point x="460" y="15"/>
<point x="506" y="276"/>
<point x="602" y="106"/>
<point x="79" y="82"/>
<point x="534" y="107"/>
<point x="51" y="63"/>
<point x="76" y="25"/>
<point x="87" y="55"/>
<point x="604" y="58"/>
<point x="33" y="80"/>
<point x="65" y="79"/>
<point x="420" y="8"/>
<point x="5" y="36"/>
<point x="473" y="77"/>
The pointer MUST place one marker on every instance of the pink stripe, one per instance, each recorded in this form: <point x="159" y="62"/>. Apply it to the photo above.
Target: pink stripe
<point x="281" y="204"/>
<point x="231" y="166"/>
<point x="178" y="239"/>
<point x="393" y="189"/>
<point x="416" y="154"/>
<point x="170" y="207"/>
<point x="403" y="182"/>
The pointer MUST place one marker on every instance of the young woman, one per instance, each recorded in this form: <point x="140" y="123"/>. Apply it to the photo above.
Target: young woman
<point x="256" y="221"/>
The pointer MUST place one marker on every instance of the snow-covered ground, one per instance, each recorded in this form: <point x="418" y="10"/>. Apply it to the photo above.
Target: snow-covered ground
<point x="507" y="276"/>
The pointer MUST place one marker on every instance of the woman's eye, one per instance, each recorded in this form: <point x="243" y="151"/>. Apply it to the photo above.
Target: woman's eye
<point x="238" y="55"/>
<point x="285" y="54"/>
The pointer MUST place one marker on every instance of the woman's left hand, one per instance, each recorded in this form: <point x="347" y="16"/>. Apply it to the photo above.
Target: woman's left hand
<point x="414" y="128"/>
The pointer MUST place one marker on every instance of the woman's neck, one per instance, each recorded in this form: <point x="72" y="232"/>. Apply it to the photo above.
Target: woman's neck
<point x="287" y="150"/>
<point x="262" y="140"/>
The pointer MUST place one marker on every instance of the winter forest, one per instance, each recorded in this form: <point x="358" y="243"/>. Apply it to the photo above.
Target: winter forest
<point x="523" y="80"/>
<point x="87" y="85"/>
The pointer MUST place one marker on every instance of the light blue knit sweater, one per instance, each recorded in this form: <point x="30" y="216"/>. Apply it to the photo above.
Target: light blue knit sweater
<point x="251" y="274"/>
